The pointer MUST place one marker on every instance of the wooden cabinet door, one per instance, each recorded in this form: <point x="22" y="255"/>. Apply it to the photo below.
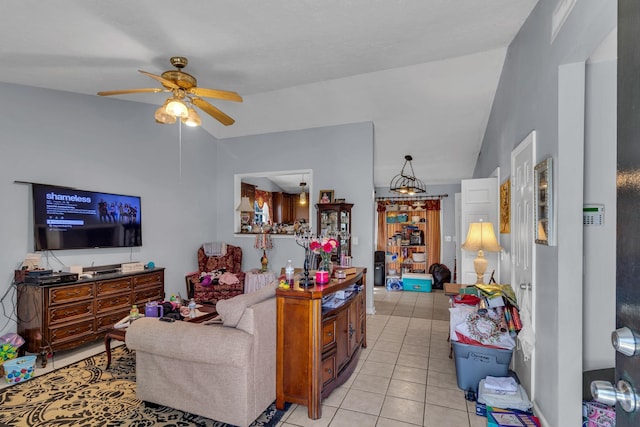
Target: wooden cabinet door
<point x="343" y="344"/>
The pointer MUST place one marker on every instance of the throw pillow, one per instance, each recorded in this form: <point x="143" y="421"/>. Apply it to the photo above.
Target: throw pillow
<point x="232" y="309"/>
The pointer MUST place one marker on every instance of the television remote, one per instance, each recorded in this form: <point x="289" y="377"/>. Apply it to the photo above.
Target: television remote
<point x="167" y="319"/>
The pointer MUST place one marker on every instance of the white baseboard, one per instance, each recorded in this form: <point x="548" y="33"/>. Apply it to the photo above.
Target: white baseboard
<point x="538" y="413"/>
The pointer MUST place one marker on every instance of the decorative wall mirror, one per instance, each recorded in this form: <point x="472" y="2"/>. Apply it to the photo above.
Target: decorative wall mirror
<point x="543" y="182"/>
<point x="273" y="202"/>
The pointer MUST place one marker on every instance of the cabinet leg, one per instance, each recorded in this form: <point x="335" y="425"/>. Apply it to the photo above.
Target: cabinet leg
<point x="44" y="354"/>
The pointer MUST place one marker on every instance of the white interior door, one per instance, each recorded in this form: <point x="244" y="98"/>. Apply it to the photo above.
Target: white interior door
<point x="479" y="202"/>
<point x="522" y="256"/>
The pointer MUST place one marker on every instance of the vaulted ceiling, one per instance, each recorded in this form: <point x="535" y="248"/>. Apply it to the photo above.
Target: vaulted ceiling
<point x="423" y="71"/>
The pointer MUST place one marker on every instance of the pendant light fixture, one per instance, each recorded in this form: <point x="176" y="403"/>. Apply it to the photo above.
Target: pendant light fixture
<point x="405" y="183"/>
<point x="303" y="194"/>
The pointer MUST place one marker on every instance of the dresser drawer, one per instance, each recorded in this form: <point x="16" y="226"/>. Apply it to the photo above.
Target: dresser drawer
<point x="153" y="293"/>
<point x="328" y="332"/>
<point x="329" y="369"/>
<point x="107" y="321"/>
<point x="71" y="312"/>
<point x="75" y="333"/>
<point x="113" y="287"/>
<point x="148" y="279"/>
<point x="65" y="294"/>
<point x="112" y="303"/>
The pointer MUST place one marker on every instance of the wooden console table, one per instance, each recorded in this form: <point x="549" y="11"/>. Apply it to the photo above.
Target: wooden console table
<point x="317" y="349"/>
<point x="63" y="316"/>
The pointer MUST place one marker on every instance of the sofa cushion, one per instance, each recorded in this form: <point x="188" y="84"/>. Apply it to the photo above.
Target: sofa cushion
<point x="231" y="310"/>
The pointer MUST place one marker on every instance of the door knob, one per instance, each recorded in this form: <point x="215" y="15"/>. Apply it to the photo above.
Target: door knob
<point x="624" y="395"/>
<point x="625" y="341"/>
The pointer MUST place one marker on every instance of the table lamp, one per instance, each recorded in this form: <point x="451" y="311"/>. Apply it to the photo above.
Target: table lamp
<point x="245" y="210"/>
<point x="481" y="237"/>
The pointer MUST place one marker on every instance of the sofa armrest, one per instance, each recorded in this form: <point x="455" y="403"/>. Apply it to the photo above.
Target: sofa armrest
<point x="210" y="344"/>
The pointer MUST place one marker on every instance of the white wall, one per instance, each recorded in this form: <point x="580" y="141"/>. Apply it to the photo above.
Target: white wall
<point x="599" y="294"/>
<point x="528" y="98"/>
<point x="105" y="145"/>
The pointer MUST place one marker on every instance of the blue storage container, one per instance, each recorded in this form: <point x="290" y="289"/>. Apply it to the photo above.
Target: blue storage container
<point x="417" y="282"/>
<point x="474" y="362"/>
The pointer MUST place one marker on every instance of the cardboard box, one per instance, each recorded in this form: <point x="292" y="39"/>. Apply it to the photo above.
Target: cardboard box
<point x="453" y="288"/>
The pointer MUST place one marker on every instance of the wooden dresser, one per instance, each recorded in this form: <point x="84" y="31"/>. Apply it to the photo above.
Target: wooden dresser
<point x="63" y="316"/>
<point x="318" y="348"/>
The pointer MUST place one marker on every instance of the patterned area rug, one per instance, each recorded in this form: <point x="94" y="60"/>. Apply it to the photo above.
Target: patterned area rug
<point x="84" y="394"/>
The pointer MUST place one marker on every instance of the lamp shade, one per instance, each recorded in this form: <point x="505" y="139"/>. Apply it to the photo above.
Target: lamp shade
<point x="163" y="117"/>
<point x="245" y="205"/>
<point x="193" y="119"/>
<point x="481" y="237"/>
<point x="177" y="108"/>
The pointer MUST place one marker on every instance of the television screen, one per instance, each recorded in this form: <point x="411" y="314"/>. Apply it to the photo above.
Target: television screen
<point x="67" y="218"/>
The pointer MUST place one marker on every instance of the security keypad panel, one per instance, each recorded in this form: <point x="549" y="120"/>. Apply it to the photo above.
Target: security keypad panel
<point x="593" y="215"/>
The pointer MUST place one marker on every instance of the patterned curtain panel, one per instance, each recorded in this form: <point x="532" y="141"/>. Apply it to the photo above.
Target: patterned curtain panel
<point x="433" y="231"/>
<point x="382" y="238"/>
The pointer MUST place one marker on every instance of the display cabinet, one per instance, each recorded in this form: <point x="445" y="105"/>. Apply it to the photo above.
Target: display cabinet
<point x="334" y="219"/>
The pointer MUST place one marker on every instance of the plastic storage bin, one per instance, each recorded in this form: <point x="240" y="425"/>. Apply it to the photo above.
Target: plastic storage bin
<point x="20" y="369"/>
<point x="417" y="282"/>
<point x="474" y="362"/>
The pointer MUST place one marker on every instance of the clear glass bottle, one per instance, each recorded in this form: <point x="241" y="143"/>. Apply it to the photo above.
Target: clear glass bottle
<point x="289" y="271"/>
<point x="192" y="308"/>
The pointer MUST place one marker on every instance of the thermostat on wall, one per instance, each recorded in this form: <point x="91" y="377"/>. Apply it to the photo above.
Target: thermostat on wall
<point x="593" y="215"/>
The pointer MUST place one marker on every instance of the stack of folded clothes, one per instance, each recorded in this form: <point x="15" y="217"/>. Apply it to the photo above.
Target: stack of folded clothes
<point x="503" y="392"/>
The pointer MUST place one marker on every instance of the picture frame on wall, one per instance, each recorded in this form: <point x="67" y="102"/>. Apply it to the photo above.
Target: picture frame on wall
<point x="543" y="190"/>
<point x="325" y="196"/>
<point x="505" y="207"/>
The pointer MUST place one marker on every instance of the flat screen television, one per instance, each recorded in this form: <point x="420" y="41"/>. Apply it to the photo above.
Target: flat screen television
<point x="68" y="218"/>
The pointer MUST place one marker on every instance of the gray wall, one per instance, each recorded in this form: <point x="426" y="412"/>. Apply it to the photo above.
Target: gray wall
<point x="447" y="206"/>
<point x="528" y="98"/>
<point x="186" y="185"/>
<point x="341" y="158"/>
<point x="105" y="145"/>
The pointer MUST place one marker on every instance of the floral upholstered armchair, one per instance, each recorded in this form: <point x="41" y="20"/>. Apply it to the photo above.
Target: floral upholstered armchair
<point x="218" y="277"/>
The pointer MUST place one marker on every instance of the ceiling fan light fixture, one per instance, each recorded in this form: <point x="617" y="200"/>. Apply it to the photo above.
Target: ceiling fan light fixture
<point x="177" y="108"/>
<point x="163" y="117"/>
<point x="405" y="182"/>
<point x="193" y="119"/>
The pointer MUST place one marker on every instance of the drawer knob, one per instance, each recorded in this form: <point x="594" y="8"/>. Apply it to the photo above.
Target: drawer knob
<point x="330" y="371"/>
<point x="330" y="334"/>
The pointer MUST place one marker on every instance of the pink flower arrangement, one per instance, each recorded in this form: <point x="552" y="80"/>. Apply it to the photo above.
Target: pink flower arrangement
<point x="323" y="246"/>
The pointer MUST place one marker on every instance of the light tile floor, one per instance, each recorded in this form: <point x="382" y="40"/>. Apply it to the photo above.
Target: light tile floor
<point x="404" y="377"/>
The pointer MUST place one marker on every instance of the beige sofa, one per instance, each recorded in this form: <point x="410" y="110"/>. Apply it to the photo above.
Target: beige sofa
<point x="226" y="372"/>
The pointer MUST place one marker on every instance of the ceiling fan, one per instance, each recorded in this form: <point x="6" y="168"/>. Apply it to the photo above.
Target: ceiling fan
<point x="183" y="88"/>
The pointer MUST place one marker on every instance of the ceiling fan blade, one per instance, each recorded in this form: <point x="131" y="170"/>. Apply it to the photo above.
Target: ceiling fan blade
<point x="213" y="111"/>
<point x="215" y="93"/>
<point x="125" y="91"/>
<point x="165" y="82"/>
